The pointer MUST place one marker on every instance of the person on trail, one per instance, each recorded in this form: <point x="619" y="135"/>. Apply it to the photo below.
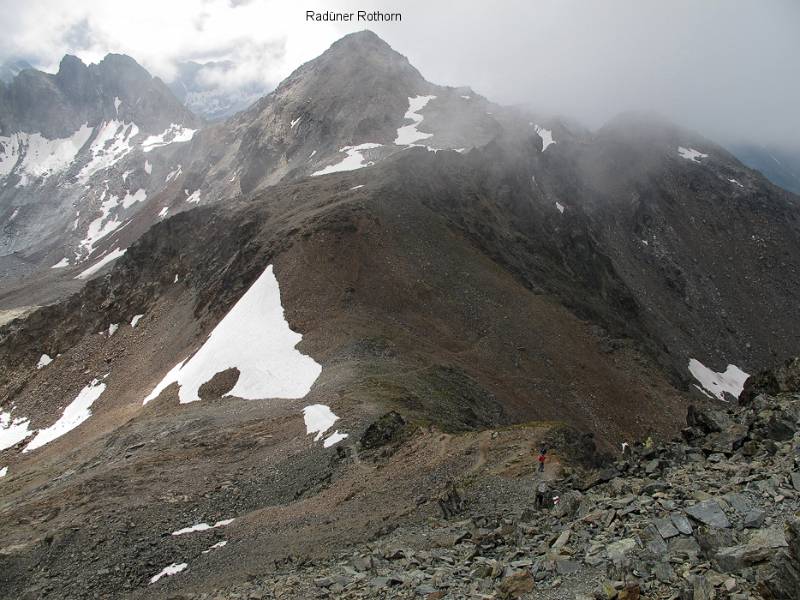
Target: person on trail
<point x="541" y="491"/>
<point x="542" y="459"/>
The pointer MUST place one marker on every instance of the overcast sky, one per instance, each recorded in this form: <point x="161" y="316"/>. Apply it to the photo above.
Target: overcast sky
<point x="730" y="69"/>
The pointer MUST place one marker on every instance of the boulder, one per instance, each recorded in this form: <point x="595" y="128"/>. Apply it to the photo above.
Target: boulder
<point x="785" y="378"/>
<point x="709" y="513"/>
<point x="707" y="420"/>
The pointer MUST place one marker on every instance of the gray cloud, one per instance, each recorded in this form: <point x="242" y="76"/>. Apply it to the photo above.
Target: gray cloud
<point x="726" y="69"/>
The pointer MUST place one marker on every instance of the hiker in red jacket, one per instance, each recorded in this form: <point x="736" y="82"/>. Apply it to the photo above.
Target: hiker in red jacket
<point x="542" y="459"/>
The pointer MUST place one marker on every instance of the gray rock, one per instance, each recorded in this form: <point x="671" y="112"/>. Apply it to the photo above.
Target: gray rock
<point x="681" y="523"/>
<point x="755" y="518"/>
<point x="666" y="528"/>
<point x="709" y="513"/>
<point x="737" y="502"/>
<point x="618" y="551"/>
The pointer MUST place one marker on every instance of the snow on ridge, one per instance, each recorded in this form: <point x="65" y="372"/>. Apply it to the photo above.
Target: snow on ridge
<point x="717" y="384"/>
<point x="44" y="360"/>
<point x="691" y="154"/>
<point x="13" y="431"/>
<point x="113" y="255"/>
<point x="354" y="159"/>
<point x="255" y="338"/>
<point x="546" y="135"/>
<point x="38" y="156"/>
<point x="112" y="142"/>
<point x="173" y="134"/>
<point x="168" y="571"/>
<point x="409" y="134"/>
<point x="319" y="419"/>
<point x="74" y="414"/>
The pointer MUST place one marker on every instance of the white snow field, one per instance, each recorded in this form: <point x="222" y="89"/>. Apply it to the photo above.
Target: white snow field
<point x="202" y="527"/>
<point x="354" y="159"/>
<point x="409" y="134"/>
<point x="12" y="431"/>
<point x="112" y="142"/>
<point x="319" y="419"/>
<point x="111" y="256"/>
<point x="691" y="154"/>
<point x="546" y="135"/>
<point x="715" y="384"/>
<point x="74" y="414"/>
<point x="255" y="338"/>
<point x="38" y="156"/>
<point x="168" y="571"/>
<point x="44" y="360"/>
<point x="173" y="134"/>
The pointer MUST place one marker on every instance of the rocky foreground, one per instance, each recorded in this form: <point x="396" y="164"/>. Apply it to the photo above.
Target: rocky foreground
<point x="710" y="515"/>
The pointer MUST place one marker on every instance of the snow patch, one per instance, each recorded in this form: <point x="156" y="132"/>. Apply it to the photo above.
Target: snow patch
<point x="129" y="200"/>
<point x="194" y="197"/>
<point x="64" y="262"/>
<point x="112" y="142"/>
<point x="408" y="134"/>
<point x="112" y="329"/>
<point x="4" y="472"/>
<point x="546" y="135"/>
<point x="113" y="255"/>
<point x="74" y="414"/>
<point x="44" y="360"/>
<point x="466" y="97"/>
<point x="12" y="431"/>
<point x="163" y="212"/>
<point x="319" y="419"/>
<point x="168" y="571"/>
<point x="334" y="438"/>
<point x="102" y="225"/>
<point x="37" y="156"/>
<point x="135" y="320"/>
<point x="691" y="154"/>
<point x="172" y="134"/>
<point x="117" y="102"/>
<point x="560" y="207"/>
<point x="295" y="122"/>
<point x="354" y="159"/>
<point x="148" y="168"/>
<point x="202" y="527"/>
<point x="174" y="174"/>
<point x="736" y="182"/>
<point x="221" y="544"/>
<point x="356" y="187"/>
<point x="255" y="338"/>
<point x="717" y="384"/>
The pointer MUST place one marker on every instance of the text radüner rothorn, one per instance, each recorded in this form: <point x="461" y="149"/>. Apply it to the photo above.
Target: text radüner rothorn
<point x="374" y="16"/>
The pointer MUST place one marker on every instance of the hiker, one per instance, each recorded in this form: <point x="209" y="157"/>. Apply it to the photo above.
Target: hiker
<point x="542" y="459"/>
<point x="541" y="491"/>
